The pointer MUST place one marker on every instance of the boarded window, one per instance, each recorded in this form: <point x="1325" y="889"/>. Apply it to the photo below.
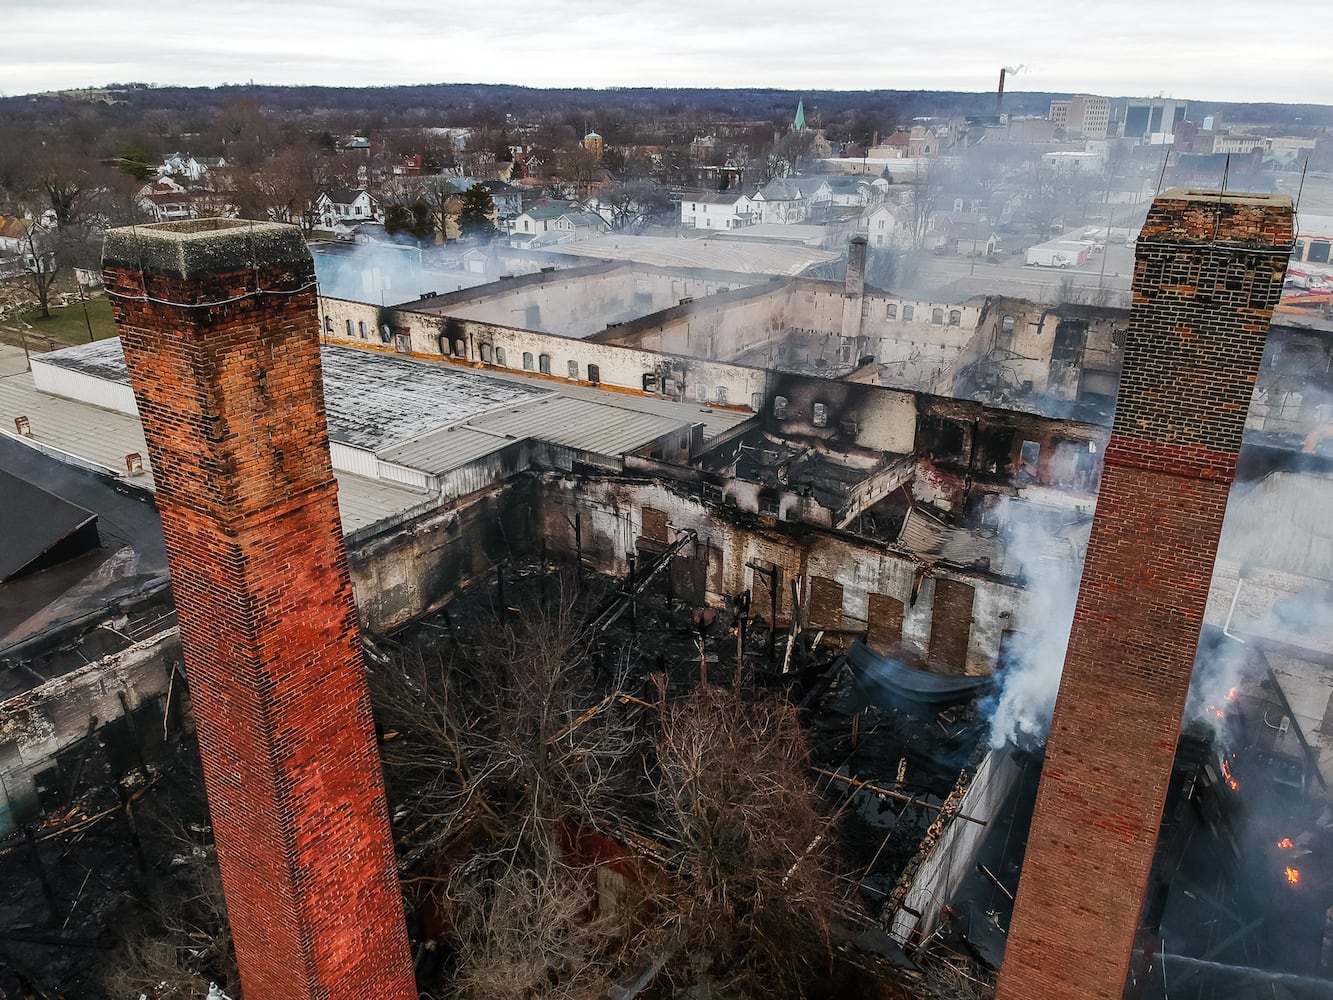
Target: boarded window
<point x="893" y="311"/>
<point x="349" y="328"/>
<point x="486" y="355"/>
<point x="722" y="395"/>
<point x="825" y="603"/>
<point x="361" y="329"/>
<point x="937" y="316"/>
<point x="573" y="369"/>
<point x="499" y="355"/>
<point x="1007" y="324"/>
<point x="701" y="393"/>
<point x="780" y="407"/>
<point x="884" y="627"/>
<point x="909" y="312"/>
<point x="460" y="348"/>
<point x="544" y="364"/>
<point x="820" y="415"/>
<point x="765" y="586"/>
<point x="756" y="401"/>
<point x="527" y="361"/>
<point x="328" y="324"/>
<point x="955" y="317"/>
<point x="654" y="525"/>
<point x="951" y="625"/>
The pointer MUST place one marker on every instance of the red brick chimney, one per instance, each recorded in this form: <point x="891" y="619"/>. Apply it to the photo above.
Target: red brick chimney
<point x="1207" y="275"/>
<point x="219" y="325"/>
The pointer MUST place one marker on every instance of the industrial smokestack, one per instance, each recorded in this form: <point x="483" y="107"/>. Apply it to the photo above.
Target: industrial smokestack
<point x="1190" y="365"/>
<point x="220" y="330"/>
<point x="999" y="94"/>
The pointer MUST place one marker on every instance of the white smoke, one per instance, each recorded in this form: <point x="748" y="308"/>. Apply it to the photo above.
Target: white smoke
<point x="1050" y="545"/>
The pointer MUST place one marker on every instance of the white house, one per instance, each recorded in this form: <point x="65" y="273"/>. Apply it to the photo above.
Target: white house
<point x="164" y="200"/>
<point x="193" y="168"/>
<point x="780" y="202"/>
<point x="717" y="210"/>
<point x="885" y="227"/>
<point x="347" y="204"/>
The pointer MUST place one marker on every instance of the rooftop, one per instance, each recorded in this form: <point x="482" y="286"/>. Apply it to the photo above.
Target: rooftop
<point x="718" y="255"/>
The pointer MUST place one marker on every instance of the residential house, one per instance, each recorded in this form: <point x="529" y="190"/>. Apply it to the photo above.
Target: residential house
<point x="817" y="194"/>
<point x="717" y="210"/>
<point x="580" y="225"/>
<point x="780" y="202"/>
<point x="893" y="148"/>
<point x="885" y="226"/>
<point x="968" y="233"/>
<point x="852" y="192"/>
<point x="166" y="200"/>
<point x="539" y="218"/>
<point x="508" y="199"/>
<point x="347" y="204"/>
<point x="192" y="169"/>
<point x="357" y="144"/>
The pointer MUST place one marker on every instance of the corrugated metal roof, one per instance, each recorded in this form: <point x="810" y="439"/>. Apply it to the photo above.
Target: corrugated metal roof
<point x="581" y="424"/>
<point x="444" y="449"/>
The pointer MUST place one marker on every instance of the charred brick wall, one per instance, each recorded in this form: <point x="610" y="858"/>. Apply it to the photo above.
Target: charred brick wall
<point x="220" y="332"/>
<point x="1207" y="275"/>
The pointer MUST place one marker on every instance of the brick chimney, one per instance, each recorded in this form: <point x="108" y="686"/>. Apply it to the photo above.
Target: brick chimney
<point x="854" y="287"/>
<point x="219" y="325"/>
<point x="1207" y="275"/>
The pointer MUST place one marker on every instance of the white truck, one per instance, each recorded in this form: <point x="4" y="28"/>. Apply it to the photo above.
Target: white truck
<point x="1043" y="256"/>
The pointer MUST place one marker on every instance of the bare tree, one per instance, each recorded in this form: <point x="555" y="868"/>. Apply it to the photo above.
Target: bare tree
<point x="41" y="264"/>
<point x="753" y="895"/>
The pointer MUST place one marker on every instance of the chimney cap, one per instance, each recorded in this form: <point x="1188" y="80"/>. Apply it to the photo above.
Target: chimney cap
<point x="192" y="248"/>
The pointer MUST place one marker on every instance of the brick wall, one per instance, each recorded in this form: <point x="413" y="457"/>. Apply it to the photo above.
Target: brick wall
<point x="1207" y="274"/>
<point x="228" y="385"/>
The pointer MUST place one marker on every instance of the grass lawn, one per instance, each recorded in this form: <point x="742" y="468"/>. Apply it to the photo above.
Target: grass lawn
<point x="67" y="326"/>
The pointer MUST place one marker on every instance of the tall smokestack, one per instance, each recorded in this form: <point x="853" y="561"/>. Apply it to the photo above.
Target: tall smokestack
<point x="999" y="94"/>
<point x="220" y="330"/>
<point x="854" y="287"/>
<point x="1207" y="275"/>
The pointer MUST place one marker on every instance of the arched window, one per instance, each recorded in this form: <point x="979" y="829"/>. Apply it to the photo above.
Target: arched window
<point x="955" y="317"/>
<point x="573" y="369"/>
<point x="594" y="374"/>
<point x="328" y="324"/>
<point x="544" y="364"/>
<point x="937" y="316"/>
<point x="1007" y="324"/>
<point x="361" y="328"/>
<point x="527" y="361"/>
<point x="499" y="355"/>
<point x="721" y="395"/>
<point x="701" y="392"/>
<point x="486" y="354"/>
<point x="909" y="313"/>
<point x="460" y="348"/>
<point x="349" y="328"/>
<point x="893" y="310"/>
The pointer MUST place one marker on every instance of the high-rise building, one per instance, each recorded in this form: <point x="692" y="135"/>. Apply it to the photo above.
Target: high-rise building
<point x="1153" y="121"/>
<point x="1082" y="115"/>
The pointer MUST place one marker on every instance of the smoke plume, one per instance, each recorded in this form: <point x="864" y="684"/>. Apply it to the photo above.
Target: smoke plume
<point x="1051" y="544"/>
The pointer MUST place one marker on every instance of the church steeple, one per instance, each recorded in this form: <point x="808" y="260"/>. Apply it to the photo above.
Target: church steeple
<point x="799" y="123"/>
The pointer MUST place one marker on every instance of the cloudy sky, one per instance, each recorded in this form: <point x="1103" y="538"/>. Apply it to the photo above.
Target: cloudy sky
<point x="1223" y="50"/>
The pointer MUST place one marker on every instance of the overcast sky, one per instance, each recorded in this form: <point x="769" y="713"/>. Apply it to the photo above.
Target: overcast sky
<point x="1221" y="50"/>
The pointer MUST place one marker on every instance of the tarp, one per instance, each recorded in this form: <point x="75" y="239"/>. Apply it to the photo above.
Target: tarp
<point x="908" y="682"/>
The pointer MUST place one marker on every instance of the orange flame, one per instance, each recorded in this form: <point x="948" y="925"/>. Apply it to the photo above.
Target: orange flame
<point x="1285" y="844"/>
<point x="1293" y="876"/>
<point x="1226" y="771"/>
<point x="1231" y="695"/>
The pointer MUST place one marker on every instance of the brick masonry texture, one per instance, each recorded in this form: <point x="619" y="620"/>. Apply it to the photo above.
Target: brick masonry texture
<point x="233" y="410"/>
<point x="1207" y="275"/>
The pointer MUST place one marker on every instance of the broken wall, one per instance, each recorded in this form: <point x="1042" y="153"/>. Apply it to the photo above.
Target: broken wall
<point x="861" y="585"/>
